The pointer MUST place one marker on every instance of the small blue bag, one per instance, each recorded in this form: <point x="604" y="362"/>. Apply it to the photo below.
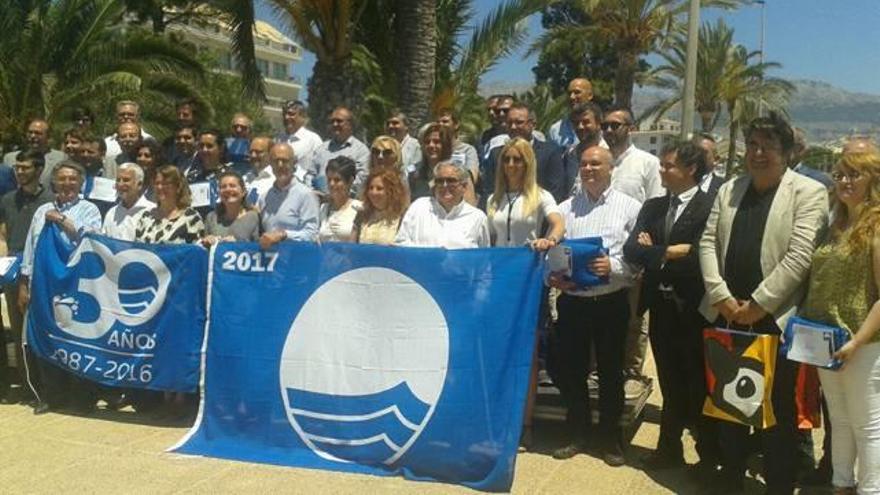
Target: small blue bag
<point x="811" y="342"/>
<point x="572" y="257"/>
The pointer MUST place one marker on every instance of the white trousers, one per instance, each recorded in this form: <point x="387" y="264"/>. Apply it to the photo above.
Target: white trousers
<point x="853" y="396"/>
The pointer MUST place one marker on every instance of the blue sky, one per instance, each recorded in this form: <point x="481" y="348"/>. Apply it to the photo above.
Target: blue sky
<point x="833" y="41"/>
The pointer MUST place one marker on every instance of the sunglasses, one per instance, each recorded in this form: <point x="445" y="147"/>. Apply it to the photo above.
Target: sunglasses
<point x="381" y="153"/>
<point x="446" y="182"/>
<point x="613" y="126"/>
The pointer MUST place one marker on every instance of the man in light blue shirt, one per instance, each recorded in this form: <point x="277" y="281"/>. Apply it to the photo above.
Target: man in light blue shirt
<point x="289" y="209"/>
<point x="563" y="132"/>
<point x="341" y="143"/>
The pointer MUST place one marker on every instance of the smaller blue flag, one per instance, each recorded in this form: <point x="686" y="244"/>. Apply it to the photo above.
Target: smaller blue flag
<point x="119" y="313"/>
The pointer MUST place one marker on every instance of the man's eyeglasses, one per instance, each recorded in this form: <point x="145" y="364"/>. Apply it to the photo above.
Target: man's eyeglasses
<point x="500" y="110"/>
<point x="446" y="181"/>
<point x="851" y="176"/>
<point x="381" y="153"/>
<point x="613" y="126"/>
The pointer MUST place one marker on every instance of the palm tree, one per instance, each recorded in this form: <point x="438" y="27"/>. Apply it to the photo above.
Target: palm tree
<point x="632" y="29"/>
<point x="745" y="90"/>
<point x="326" y="28"/>
<point x="55" y="54"/>
<point x="416" y="31"/>
<point x="501" y="32"/>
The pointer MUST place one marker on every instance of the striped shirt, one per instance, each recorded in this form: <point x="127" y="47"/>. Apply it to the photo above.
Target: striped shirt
<point x="84" y="215"/>
<point x="612" y="217"/>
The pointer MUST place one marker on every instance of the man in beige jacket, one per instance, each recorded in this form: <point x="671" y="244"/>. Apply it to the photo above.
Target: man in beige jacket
<point x="755" y="256"/>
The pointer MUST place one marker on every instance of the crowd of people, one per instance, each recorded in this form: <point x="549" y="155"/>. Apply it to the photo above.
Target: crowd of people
<point x="683" y="245"/>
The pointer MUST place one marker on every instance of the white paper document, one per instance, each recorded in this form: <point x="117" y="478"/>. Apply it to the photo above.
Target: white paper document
<point x="6" y="263"/>
<point x="811" y="345"/>
<point x="103" y="189"/>
<point x="201" y="194"/>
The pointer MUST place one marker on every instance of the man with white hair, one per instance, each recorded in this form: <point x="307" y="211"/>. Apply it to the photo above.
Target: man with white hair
<point x="127" y="112"/>
<point x="121" y="219"/>
<point x="445" y="219"/>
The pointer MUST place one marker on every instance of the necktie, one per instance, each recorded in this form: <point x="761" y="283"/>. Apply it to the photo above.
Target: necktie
<point x="674" y="201"/>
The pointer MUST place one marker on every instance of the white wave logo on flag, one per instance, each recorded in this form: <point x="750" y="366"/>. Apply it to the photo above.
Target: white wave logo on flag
<point x="364" y="365"/>
<point x="130" y="288"/>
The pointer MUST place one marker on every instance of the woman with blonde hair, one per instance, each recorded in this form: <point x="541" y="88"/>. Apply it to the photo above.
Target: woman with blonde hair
<point x="383" y="203"/>
<point x="521" y="213"/>
<point x="843" y="292"/>
<point x="519" y="209"/>
<point x="385" y="152"/>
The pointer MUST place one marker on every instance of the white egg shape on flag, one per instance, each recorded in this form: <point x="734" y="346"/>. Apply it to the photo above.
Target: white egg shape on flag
<point x="364" y="365"/>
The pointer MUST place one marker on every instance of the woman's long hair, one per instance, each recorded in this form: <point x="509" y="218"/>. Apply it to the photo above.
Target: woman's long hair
<point x="171" y="175"/>
<point x="867" y="220"/>
<point x="398" y="197"/>
<point x="531" y="193"/>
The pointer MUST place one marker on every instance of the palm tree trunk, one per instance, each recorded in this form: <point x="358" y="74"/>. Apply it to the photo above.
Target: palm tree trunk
<point x="332" y="85"/>
<point x="625" y="77"/>
<point x="416" y="30"/>
<point x="731" y="148"/>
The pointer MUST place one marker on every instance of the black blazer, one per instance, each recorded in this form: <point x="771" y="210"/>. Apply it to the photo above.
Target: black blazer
<point x="551" y="176"/>
<point x="682" y="274"/>
<point x="714" y="185"/>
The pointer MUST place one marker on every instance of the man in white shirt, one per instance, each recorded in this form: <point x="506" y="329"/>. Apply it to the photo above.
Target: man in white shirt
<point x="260" y="177"/>
<point x="397" y="126"/>
<point x="637" y="174"/>
<point x="563" y="131"/>
<point x="127" y="111"/>
<point x="597" y="315"/>
<point x="121" y="220"/>
<point x="303" y="141"/>
<point x="445" y="219"/>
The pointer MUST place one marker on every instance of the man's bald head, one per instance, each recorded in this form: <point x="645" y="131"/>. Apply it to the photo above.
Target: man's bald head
<point x="580" y="90"/>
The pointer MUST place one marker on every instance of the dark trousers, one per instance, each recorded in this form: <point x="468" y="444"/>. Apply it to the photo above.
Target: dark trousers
<point x="10" y="291"/>
<point x="676" y="334"/>
<point x="600" y="322"/>
<point x="778" y="443"/>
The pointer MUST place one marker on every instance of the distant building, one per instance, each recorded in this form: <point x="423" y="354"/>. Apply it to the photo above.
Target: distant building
<point x="653" y="135"/>
<point x="275" y="54"/>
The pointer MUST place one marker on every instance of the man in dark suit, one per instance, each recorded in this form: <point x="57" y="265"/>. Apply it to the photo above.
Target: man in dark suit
<point x="664" y="242"/>
<point x="551" y="177"/>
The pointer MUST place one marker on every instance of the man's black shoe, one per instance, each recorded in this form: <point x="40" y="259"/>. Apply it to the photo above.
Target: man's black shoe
<point x="662" y="460"/>
<point x="41" y="408"/>
<point x="612" y="454"/>
<point x="568" y="451"/>
<point x="821" y="476"/>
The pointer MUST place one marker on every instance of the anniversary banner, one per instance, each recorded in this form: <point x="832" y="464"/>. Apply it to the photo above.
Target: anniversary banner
<point x="374" y="359"/>
<point x="119" y="313"/>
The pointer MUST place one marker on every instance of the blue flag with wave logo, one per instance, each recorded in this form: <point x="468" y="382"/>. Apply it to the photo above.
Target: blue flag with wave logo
<point x="119" y="313"/>
<point x="372" y="359"/>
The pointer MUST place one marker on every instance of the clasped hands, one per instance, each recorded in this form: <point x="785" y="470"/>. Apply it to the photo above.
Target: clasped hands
<point x="741" y="312"/>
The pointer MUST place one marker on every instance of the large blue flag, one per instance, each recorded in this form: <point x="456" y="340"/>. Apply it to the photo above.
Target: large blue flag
<point x="119" y="313"/>
<point x="370" y="359"/>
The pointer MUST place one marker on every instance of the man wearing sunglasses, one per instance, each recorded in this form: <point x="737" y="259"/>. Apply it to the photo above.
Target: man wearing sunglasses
<point x="445" y="219"/>
<point x="636" y="173"/>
